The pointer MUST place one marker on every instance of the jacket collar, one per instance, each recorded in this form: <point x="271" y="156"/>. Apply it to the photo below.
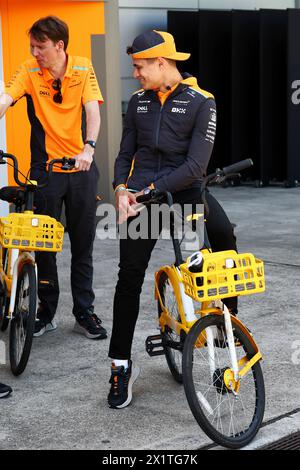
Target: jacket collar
<point x="188" y="81"/>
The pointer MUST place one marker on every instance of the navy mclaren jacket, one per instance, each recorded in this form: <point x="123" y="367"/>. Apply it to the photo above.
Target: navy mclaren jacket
<point x="167" y="146"/>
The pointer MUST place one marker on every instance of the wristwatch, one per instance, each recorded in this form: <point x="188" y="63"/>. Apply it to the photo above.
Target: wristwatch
<point x="92" y="143"/>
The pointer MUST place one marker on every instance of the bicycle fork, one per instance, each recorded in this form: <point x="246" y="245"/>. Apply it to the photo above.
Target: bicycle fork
<point x="17" y="261"/>
<point x="237" y="369"/>
<point x="231" y="343"/>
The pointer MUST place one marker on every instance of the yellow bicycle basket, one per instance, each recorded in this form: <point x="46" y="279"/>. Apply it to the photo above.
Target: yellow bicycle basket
<point x="31" y="232"/>
<point x="224" y="274"/>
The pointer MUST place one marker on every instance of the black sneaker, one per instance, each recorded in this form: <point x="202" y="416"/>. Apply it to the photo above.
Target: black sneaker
<point x="89" y="325"/>
<point x="121" y="381"/>
<point x="42" y="326"/>
<point x="5" y="390"/>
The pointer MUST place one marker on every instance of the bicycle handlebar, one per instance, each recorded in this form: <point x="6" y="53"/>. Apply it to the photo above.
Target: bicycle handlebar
<point x="67" y="164"/>
<point x="237" y="167"/>
<point x="155" y="195"/>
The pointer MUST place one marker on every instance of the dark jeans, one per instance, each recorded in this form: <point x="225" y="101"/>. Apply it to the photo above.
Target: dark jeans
<point x="78" y="191"/>
<point x="134" y="259"/>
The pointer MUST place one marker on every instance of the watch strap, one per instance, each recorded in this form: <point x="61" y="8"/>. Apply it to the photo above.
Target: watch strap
<point x="92" y="143"/>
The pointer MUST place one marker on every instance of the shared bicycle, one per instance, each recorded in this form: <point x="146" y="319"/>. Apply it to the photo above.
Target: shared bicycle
<point x="22" y="233"/>
<point x="207" y="348"/>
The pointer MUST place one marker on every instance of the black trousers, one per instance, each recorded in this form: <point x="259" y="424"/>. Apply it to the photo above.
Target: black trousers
<point x="134" y="258"/>
<point x="78" y="192"/>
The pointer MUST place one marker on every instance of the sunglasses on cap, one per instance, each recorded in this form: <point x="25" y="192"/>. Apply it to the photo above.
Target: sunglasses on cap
<point x="56" y="85"/>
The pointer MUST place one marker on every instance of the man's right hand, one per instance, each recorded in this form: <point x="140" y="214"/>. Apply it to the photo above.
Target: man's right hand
<point x="124" y="202"/>
<point x="5" y="102"/>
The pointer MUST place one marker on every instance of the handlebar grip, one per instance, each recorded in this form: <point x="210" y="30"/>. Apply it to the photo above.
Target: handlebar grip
<point x="144" y="197"/>
<point x="237" y="167"/>
<point x="152" y="195"/>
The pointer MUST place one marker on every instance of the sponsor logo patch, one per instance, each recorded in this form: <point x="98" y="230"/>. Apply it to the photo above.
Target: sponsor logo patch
<point x="178" y="110"/>
<point x="44" y="93"/>
<point x="181" y="102"/>
<point x="213" y="116"/>
<point x="142" y="109"/>
<point x="191" y="93"/>
<point x="75" y="84"/>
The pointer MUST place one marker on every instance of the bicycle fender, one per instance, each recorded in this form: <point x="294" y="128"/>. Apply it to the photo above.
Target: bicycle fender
<point x="23" y="258"/>
<point x="172" y="275"/>
<point x="242" y="327"/>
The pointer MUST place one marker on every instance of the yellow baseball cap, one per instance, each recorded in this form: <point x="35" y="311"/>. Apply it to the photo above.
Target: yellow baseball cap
<point x="154" y="44"/>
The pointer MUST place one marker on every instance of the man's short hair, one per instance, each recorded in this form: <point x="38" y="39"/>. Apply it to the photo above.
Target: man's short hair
<point x="50" y="27"/>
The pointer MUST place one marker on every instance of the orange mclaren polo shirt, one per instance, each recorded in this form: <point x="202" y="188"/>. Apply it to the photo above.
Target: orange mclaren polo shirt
<point x="57" y="130"/>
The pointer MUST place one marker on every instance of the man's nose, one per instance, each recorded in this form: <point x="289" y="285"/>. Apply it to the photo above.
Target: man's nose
<point x="34" y="51"/>
<point x="136" y="73"/>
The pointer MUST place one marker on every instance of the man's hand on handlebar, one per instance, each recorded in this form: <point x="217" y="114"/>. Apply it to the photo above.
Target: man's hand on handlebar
<point x="125" y="202"/>
<point x="84" y="159"/>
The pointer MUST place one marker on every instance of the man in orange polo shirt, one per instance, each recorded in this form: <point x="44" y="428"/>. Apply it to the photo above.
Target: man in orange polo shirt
<point x="63" y="99"/>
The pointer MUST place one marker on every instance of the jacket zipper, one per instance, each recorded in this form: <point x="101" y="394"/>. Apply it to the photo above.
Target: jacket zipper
<point x="158" y="129"/>
<point x="157" y="137"/>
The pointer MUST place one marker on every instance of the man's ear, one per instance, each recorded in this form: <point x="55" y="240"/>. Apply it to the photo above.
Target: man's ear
<point x="161" y="62"/>
<point x="60" y="44"/>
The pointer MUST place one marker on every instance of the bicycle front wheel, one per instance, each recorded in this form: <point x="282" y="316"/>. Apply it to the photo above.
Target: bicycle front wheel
<point x="229" y="417"/>
<point x="22" y="323"/>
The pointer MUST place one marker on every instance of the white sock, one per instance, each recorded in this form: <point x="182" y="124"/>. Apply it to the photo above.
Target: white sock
<point x="121" y="362"/>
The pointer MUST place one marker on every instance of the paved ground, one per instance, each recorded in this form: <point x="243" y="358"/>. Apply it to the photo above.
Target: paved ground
<point x="60" y="400"/>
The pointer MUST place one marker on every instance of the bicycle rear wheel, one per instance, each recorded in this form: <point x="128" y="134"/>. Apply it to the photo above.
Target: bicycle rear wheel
<point x="230" y="419"/>
<point x="22" y="323"/>
<point x="172" y="342"/>
<point x="4" y="303"/>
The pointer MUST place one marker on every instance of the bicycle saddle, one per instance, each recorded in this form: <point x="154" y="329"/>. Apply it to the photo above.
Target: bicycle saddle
<point x="12" y="194"/>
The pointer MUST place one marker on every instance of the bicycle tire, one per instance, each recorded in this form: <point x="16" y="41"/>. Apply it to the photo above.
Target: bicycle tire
<point x="173" y="357"/>
<point x="23" y="319"/>
<point x="4" y="304"/>
<point x="218" y="412"/>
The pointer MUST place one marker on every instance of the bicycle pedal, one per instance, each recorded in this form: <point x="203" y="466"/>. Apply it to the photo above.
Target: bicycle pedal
<point x="154" y="345"/>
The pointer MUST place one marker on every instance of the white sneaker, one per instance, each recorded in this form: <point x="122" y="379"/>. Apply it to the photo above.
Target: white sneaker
<point x="5" y="390"/>
<point x="41" y="327"/>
